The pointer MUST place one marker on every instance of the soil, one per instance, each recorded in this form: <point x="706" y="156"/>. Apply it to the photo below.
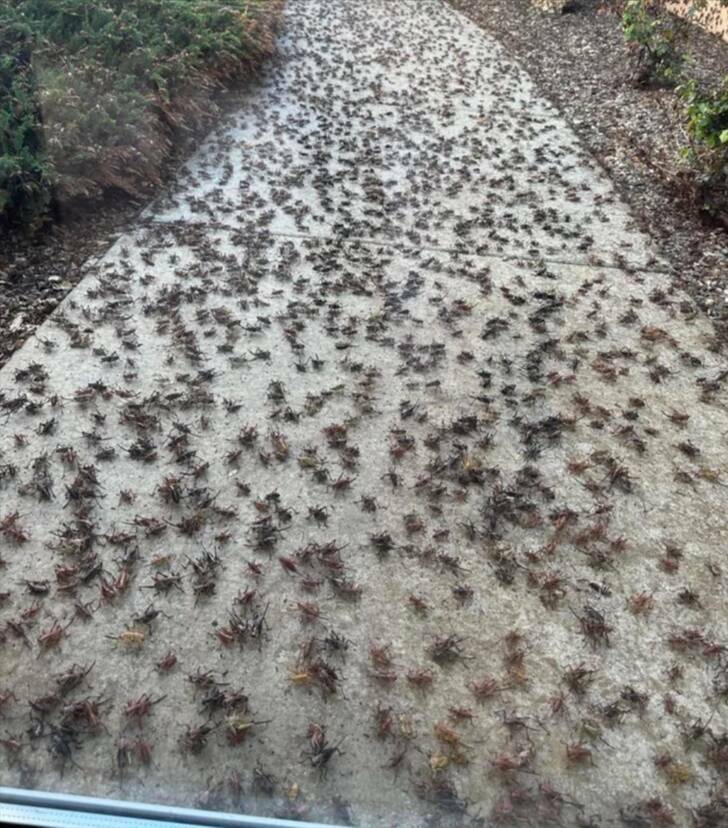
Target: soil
<point x="581" y="62"/>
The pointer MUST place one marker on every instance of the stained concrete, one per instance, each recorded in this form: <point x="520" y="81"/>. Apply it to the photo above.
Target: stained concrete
<point x="397" y="237"/>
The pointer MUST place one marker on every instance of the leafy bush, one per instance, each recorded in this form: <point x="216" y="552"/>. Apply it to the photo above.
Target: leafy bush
<point x="91" y="90"/>
<point x="707" y="114"/>
<point x="655" y="41"/>
<point x="24" y="173"/>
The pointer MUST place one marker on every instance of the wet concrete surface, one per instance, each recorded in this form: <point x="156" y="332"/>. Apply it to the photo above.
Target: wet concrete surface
<point x="387" y="424"/>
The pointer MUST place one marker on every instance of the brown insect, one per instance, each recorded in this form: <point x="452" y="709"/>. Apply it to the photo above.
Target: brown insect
<point x="461" y="714"/>
<point x="309" y="611"/>
<point x="594" y="626"/>
<point x="420" y="678"/>
<point x="72" y="678"/>
<point x="320" y="752"/>
<point x="12" y="530"/>
<point x="577" y="678"/>
<point x="288" y="564"/>
<point x="11" y="744"/>
<point x="342" y="484"/>
<point x="138" y="709"/>
<point x="485" y="688"/>
<point x="447" y="735"/>
<point x="383" y="720"/>
<point x="381" y="654"/>
<point x="418" y="604"/>
<point x="641" y="603"/>
<point x="167" y="662"/>
<point x="237" y="728"/>
<point x="194" y="739"/>
<point x="577" y="753"/>
<point x="53" y="635"/>
<point x="445" y="649"/>
<point x="5" y="697"/>
<point x="507" y="763"/>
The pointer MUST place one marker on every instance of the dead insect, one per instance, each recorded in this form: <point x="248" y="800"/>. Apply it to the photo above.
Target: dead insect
<point x="383" y="721"/>
<point x="393" y="477"/>
<point x="167" y="662"/>
<point x="345" y="588"/>
<point x="38" y="587"/>
<point x="382" y="542"/>
<point x="342" y="484"/>
<point x="368" y="504"/>
<point x="688" y="449"/>
<point x="507" y="763"/>
<point x="577" y="753"/>
<point x="485" y="688"/>
<point x="688" y="598"/>
<point x="171" y="490"/>
<point x="578" y="678"/>
<point x="11" y="529"/>
<point x="288" y="564"/>
<point x="319" y="514"/>
<point x="463" y="592"/>
<point x="72" y="678"/>
<point x="53" y="635"/>
<point x="593" y="626"/>
<point x="420" y="678"/>
<point x="163" y="582"/>
<point x="194" y="739"/>
<point x="319" y="752"/>
<point x="336" y="644"/>
<point x="445" y="649"/>
<point x="130" y="638"/>
<point x="641" y="603"/>
<point x="150" y="614"/>
<point x="5" y="697"/>
<point x="381" y="655"/>
<point x="308" y="611"/>
<point x="138" y="709"/>
<point x="255" y="568"/>
<point x="127" y="496"/>
<point x="238" y="727"/>
<point x="418" y="604"/>
<point x="461" y="714"/>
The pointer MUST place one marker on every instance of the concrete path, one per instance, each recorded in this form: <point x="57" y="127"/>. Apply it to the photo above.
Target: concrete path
<point x="384" y="418"/>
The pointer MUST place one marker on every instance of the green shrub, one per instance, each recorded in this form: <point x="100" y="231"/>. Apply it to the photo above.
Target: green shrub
<point x="707" y="114"/>
<point x="706" y="119"/>
<point x="90" y="90"/>
<point x="24" y="172"/>
<point x="655" y="41"/>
